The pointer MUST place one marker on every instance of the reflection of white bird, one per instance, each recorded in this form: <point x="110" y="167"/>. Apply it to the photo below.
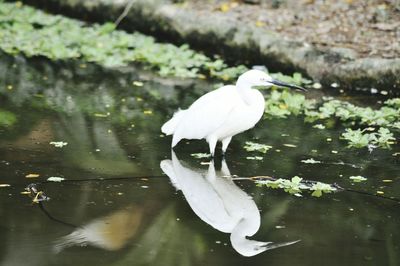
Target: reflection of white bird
<point x="223" y="113"/>
<point x="110" y="232"/>
<point x="216" y="199"/>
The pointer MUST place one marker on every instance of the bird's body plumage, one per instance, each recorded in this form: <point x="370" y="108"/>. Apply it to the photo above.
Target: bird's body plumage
<point x="222" y="113"/>
<point x="217" y="116"/>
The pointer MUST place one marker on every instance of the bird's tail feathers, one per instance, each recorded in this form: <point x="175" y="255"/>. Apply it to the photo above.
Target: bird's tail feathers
<point x="169" y="127"/>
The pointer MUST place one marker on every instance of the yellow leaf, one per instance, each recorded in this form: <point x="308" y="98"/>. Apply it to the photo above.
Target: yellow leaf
<point x="224" y="7"/>
<point x="147" y="112"/>
<point x="32" y="175"/>
<point x="137" y="83"/>
<point x="260" y="23"/>
<point x="380" y="192"/>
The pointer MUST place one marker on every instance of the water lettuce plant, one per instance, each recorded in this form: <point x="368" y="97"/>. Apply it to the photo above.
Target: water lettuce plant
<point x="383" y="120"/>
<point x="253" y="146"/>
<point x="32" y="32"/>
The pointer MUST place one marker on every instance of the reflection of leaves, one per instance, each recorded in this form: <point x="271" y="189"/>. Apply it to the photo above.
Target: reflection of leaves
<point x="200" y="155"/>
<point x="296" y="185"/>
<point x="7" y="118"/>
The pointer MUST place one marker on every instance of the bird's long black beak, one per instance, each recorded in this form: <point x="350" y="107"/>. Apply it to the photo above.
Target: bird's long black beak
<point x="287" y="85"/>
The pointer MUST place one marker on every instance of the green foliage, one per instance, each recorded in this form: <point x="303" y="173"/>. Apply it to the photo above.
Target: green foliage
<point x="252" y="146"/>
<point x="296" y="185"/>
<point x="7" y="118"/>
<point x="358" y="138"/>
<point x="34" y="33"/>
<point x="282" y="104"/>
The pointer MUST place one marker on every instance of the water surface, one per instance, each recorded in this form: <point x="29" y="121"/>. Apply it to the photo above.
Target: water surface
<point x="119" y="207"/>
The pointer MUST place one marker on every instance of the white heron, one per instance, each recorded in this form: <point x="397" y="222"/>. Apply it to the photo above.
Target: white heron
<point x="216" y="200"/>
<point x="224" y="112"/>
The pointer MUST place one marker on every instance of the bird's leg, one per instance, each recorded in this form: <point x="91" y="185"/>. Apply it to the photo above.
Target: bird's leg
<point x="225" y="143"/>
<point x="212" y="142"/>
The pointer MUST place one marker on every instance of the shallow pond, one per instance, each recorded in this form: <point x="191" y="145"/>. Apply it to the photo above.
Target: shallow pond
<point x="127" y="200"/>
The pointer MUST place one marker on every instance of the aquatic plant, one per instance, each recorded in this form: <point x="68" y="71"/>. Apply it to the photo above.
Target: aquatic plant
<point x="32" y="32"/>
<point x="252" y="146"/>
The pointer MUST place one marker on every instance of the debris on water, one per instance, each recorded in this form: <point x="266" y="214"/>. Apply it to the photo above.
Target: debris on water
<point x="101" y="115"/>
<point x="137" y="83"/>
<point x="148" y="112"/>
<point x="280" y="226"/>
<point x="144" y="186"/>
<point x="319" y="126"/>
<point x="58" y="144"/>
<point x="358" y="178"/>
<point x="387" y="180"/>
<point x="32" y="175"/>
<point x="379" y="192"/>
<point x="5" y="185"/>
<point x="317" y="86"/>
<point x="55" y="179"/>
<point x="258" y="158"/>
<point x="36" y="195"/>
<point x="334" y="152"/>
<point x="289" y="145"/>
<point x="200" y="155"/>
<point x="311" y="161"/>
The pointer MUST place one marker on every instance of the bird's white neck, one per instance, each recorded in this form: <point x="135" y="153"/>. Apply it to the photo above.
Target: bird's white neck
<point x="245" y="91"/>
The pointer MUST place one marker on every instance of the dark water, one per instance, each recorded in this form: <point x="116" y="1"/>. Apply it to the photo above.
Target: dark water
<point x="118" y="207"/>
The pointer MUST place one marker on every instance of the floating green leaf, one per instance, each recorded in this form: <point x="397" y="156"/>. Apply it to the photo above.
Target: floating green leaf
<point x="252" y="146"/>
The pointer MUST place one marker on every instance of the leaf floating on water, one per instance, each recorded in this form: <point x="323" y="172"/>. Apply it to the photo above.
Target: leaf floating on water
<point x="55" y="179"/>
<point x="58" y="144"/>
<point x="310" y="161"/>
<point x="258" y="158"/>
<point x="289" y="145"/>
<point x="101" y="115"/>
<point x="319" y="126"/>
<point x="200" y="155"/>
<point x="387" y="180"/>
<point x="32" y="175"/>
<point x="358" y="178"/>
<point x="5" y="185"/>
<point x="148" y="112"/>
<point x="138" y="83"/>
<point x="380" y="192"/>
<point x="252" y="146"/>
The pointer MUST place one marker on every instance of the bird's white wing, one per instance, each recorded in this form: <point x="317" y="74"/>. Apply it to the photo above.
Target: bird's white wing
<point x="207" y="113"/>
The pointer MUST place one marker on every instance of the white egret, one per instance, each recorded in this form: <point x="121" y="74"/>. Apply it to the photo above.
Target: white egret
<point x="216" y="200"/>
<point x="224" y="112"/>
